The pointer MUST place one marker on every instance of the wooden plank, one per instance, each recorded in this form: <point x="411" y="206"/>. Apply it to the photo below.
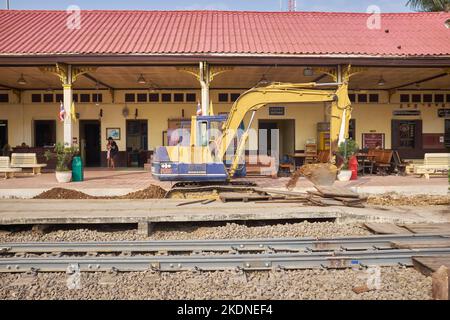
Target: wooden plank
<point x="441" y="284"/>
<point x="444" y="243"/>
<point x="429" y="265"/>
<point x="442" y="228"/>
<point x="233" y="196"/>
<point x="282" y="192"/>
<point x="336" y="192"/>
<point x="386" y="228"/>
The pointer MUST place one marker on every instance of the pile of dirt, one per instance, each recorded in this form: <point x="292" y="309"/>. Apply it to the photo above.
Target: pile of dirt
<point x="152" y="192"/>
<point x="321" y="174"/>
<point x="416" y="200"/>
<point x="61" y="193"/>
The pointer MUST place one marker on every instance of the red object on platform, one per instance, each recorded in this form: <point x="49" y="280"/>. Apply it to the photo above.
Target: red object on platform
<point x="353" y="166"/>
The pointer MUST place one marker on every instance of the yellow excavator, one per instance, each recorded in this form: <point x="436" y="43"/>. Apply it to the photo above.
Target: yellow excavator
<point x="202" y="156"/>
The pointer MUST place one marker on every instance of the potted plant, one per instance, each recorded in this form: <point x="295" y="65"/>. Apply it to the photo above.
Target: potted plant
<point x="346" y="151"/>
<point x="64" y="156"/>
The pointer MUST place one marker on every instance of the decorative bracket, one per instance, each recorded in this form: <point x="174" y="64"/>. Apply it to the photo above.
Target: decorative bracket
<point x="194" y="71"/>
<point x="332" y="72"/>
<point x="198" y="74"/>
<point x="216" y="70"/>
<point x="62" y="71"/>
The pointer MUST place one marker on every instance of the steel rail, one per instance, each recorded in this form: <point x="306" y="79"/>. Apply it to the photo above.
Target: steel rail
<point x="381" y="242"/>
<point x="246" y="262"/>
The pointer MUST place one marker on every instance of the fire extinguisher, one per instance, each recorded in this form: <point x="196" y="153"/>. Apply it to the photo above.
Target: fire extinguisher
<point x="353" y="166"/>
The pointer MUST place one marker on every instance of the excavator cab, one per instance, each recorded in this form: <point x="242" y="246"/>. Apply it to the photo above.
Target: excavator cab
<point x="197" y="161"/>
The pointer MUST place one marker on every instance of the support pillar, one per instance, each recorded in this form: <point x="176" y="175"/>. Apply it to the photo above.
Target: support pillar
<point x="68" y="136"/>
<point x="204" y="83"/>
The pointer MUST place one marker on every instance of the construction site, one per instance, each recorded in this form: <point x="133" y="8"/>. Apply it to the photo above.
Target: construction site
<point x="273" y="164"/>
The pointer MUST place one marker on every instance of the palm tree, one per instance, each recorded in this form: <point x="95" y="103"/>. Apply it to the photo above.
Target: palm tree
<point x="429" y="5"/>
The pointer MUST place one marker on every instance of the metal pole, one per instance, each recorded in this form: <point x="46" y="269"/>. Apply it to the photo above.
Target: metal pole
<point x="7" y="4"/>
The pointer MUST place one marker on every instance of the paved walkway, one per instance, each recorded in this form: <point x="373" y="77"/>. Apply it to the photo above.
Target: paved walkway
<point x="103" y="182"/>
<point x="18" y="212"/>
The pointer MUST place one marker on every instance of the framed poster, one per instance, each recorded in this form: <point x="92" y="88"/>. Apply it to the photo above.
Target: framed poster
<point x="113" y="133"/>
<point x="373" y="140"/>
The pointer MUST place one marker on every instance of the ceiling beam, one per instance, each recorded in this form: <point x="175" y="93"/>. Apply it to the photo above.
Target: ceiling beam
<point x="420" y="81"/>
<point x="87" y="75"/>
<point x="8" y="87"/>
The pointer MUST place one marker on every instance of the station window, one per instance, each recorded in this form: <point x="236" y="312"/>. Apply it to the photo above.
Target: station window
<point x="153" y="97"/>
<point x="85" y="98"/>
<point x="36" y="97"/>
<point x="448" y="98"/>
<point x="48" y="97"/>
<point x="234" y="96"/>
<point x="223" y="97"/>
<point x="428" y="98"/>
<point x="191" y="97"/>
<point x="4" y="98"/>
<point x="166" y="97"/>
<point x="405" y="98"/>
<point x="362" y="98"/>
<point x="75" y="97"/>
<point x="59" y="97"/>
<point x="374" y="97"/>
<point x="416" y="98"/>
<point x="178" y="97"/>
<point x="141" y="97"/>
<point x="130" y="97"/>
<point x="97" y="97"/>
<point x="438" y="98"/>
<point x="352" y="97"/>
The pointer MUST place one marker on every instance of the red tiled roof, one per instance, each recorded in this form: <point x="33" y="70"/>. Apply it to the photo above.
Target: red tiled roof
<point x="223" y="32"/>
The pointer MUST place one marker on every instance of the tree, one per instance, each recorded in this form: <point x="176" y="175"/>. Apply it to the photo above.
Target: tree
<point x="429" y="5"/>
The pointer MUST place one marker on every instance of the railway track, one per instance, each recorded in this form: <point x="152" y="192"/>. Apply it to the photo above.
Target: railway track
<point x="262" y="254"/>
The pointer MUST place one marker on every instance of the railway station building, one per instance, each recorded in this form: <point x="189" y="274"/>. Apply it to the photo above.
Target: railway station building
<point x="138" y="75"/>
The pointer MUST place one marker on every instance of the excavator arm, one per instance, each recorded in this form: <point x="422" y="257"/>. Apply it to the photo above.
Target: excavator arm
<point x="284" y="93"/>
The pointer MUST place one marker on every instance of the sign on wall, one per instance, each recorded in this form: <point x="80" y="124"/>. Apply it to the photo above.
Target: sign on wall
<point x="373" y="140"/>
<point x="276" y="111"/>
<point x="407" y="113"/>
<point x="444" y="113"/>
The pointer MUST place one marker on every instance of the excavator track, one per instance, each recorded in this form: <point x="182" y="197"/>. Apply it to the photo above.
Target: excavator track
<point x="207" y="186"/>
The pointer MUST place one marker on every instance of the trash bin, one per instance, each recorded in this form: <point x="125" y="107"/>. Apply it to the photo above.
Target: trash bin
<point x="77" y="169"/>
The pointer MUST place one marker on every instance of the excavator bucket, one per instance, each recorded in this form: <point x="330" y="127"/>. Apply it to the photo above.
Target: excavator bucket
<point x="321" y="174"/>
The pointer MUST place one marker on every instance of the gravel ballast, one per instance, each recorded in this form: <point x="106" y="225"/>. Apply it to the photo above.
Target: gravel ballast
<point x="396" y="284"/>
<point x="192" y="232"/>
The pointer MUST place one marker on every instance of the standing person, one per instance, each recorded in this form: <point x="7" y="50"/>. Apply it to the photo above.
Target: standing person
<point x="108" y="154"/>
<point x="114" y="152"/>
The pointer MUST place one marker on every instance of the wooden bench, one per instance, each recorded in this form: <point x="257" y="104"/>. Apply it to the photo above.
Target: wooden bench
<point x="261" y="165"/>
<point x="26" y="161"/>
<point x="399" y="164"/>
<point x="434" y="164"/>
<point x="5" y="168"/>
<point x="382" y="160"/>
<point x="323" y="156"/>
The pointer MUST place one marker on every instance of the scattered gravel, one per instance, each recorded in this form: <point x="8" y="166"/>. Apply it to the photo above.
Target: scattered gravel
<point x="394" y="199"/>
<point x="396" y="284"/>
<point x="191" y="232"/>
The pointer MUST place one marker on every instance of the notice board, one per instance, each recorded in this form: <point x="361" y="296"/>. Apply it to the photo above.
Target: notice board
<point x="373" y="140"/>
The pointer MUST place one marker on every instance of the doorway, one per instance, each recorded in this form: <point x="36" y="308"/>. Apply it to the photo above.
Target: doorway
<point x="44" y="133"/>
<point x="276" y="138"/>
<point x="137" y="142"/>
<point x="3" y="134"/>
<point x="90" y="143"/>
<point x="407" y="138"/>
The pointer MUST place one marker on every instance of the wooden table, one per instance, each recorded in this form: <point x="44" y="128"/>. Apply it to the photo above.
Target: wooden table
<point x="296" y="156"/>
<point x="362" y="157"/>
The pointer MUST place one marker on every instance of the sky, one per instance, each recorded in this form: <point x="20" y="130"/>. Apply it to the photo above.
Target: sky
<point x="253" y="5"/>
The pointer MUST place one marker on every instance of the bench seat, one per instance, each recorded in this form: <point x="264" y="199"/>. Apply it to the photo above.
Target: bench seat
<point x="6" y="168"/>
<point x="434" y="164"/>
<point x="26" y="161"/>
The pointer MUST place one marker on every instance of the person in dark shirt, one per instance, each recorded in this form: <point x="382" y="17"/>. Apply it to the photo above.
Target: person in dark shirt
<point x="114" y="151"/>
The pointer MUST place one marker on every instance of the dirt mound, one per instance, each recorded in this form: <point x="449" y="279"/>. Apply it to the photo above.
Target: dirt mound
<point x="417" y="200"/>
<point x="152" y="192"/>
<point x="321" y="174"/>
<point x="61" y="193"/>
